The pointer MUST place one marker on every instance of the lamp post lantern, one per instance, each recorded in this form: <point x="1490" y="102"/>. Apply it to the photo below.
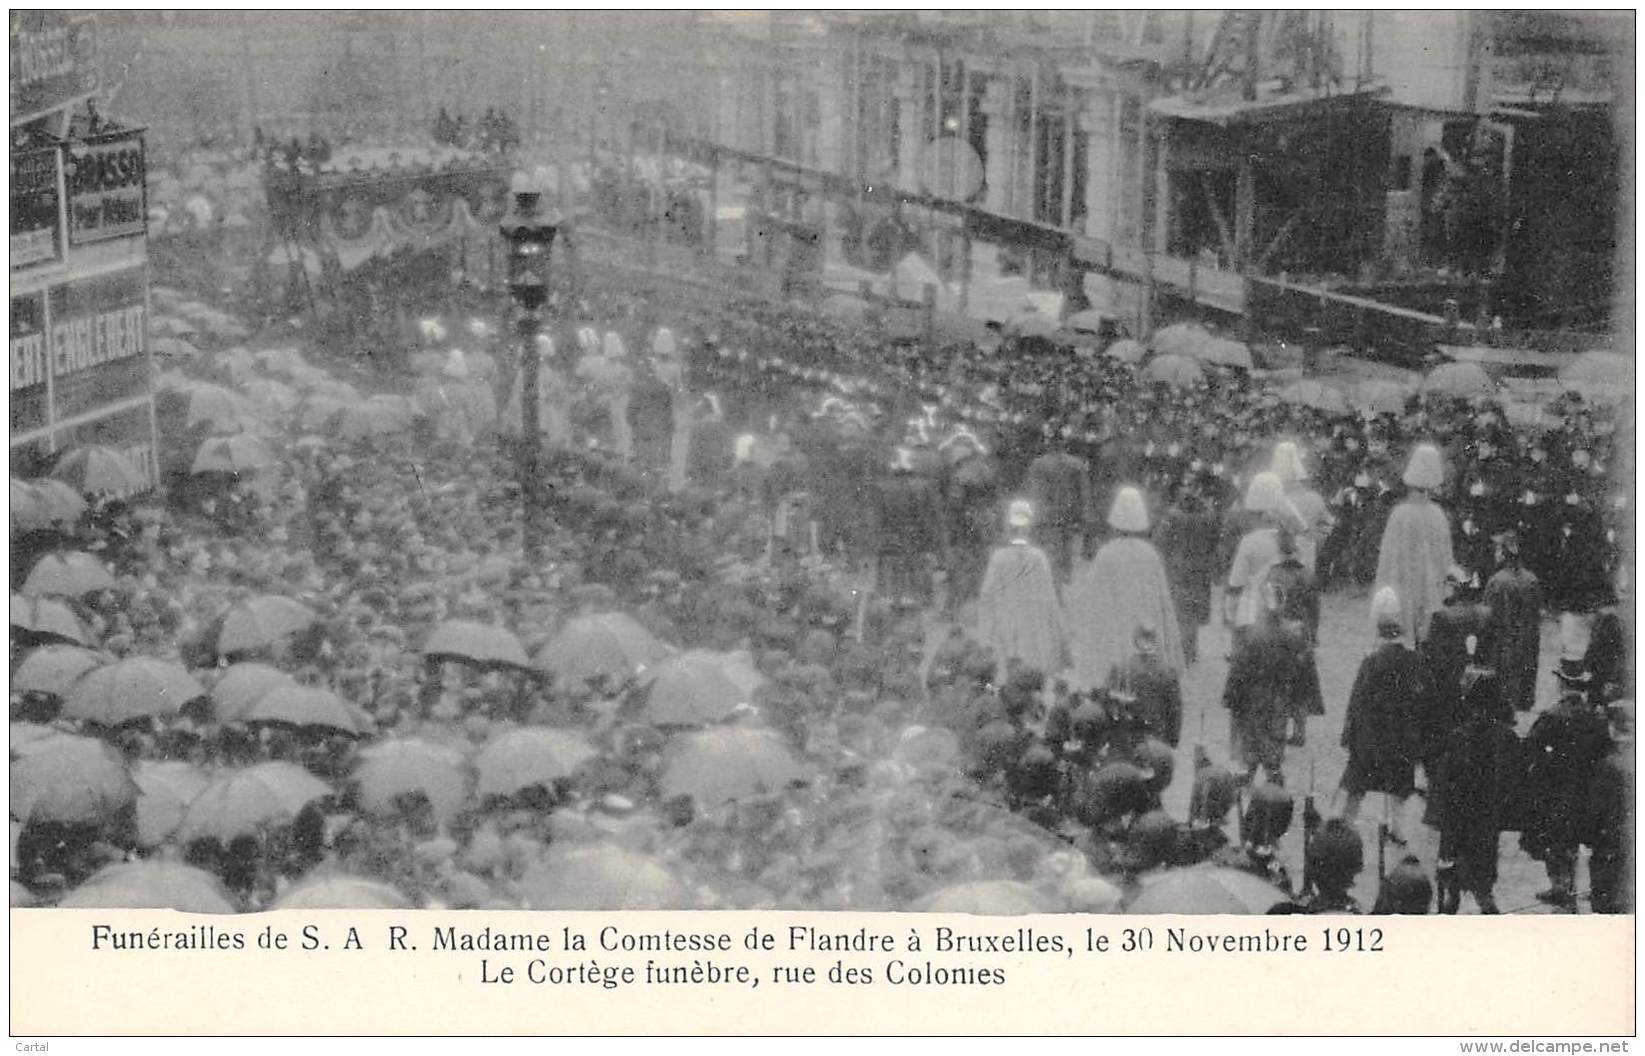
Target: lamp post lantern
<point x="528" y="233"/>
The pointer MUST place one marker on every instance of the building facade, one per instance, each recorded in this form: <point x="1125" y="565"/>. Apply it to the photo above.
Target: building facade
<point x="79" y="353"/>
<point x="1406" y="158"/>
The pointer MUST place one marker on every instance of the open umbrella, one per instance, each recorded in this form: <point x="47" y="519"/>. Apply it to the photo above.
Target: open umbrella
<point x="167" y="788"/>
<point x="368" y="419"/>
<point x="172" y="346"/>
<point x="68" y="575"/>
<point x="1223" y="351"/>
<point x="1126" y="351"/>
<point x="1316" y="394"/>
<point x="237" y="454"/>
<point x="171" y="326"/>
<point x="1031" y="324"/>
<point x="240" y="802"/>
<point x="533" y="755"/>
<point x="690" y="690"/>
<point x="1605" y="368"/>
<point x="317" y="411"/>
<point x="299" y="705"/>
<point x="52" y="669"/>
<point x="733" y="762"/>
<point x="63" y="777"/>
<point x="271" y="395"/>
<point x="332" y="890"/>
<point x="601" y="878"/>
<point x="337" y="390"/>
<point x="1380" y="396"/>
<point x="397" y="767"/>
<point x="1178" y="339"/>
<point x="29" y="510"/>
<point x="150" y="885"/>
<point x="1176" y="370"/>
<point x="1204" y="892"/>
<point x="1088" y="322"/>
<point x="609" y="644"/>
<point x="134" y="688"/>
<point x="93" y="469"/>
<point x="282" y="360"/>
<point x="989" y="898"/>
<point x="477" y="643"/>
<point x="240" y="687"/>
<point x="260" y="622"/>
<point x="217" y="407"/>
<point x="63" y="503"/>
<point x="1459" y="379"/>
<point x="47" y="620"/>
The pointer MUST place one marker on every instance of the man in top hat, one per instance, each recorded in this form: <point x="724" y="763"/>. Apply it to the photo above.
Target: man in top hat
<point x="1187" y="541"/>
<point x="908" y="531"/>
<point x="1380" y="730"/>
<point x="1472" y="776"/>
<point x="1611" y="818"/>
<point x="1272" y="687"/>
<point x="1124" y="587"/>
<point x="970" y="486"/>
<point x="1059" y="486"/>
<point x="1416" y="546"/>
<point x="1563" y="751"/>
<point x="1514" y="598"/>
<point x="1459" y="634"/>
<point x="1151" y="691"/>
<point x="1018" y="614"/>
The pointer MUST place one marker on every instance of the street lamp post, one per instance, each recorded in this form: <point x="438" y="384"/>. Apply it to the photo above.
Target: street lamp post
<point x="528" y="232"/>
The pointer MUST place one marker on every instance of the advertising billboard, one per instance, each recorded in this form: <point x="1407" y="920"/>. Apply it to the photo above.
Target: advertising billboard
<point x="34" y="220"/>
<point x="106" y="181"/>
<point x="53" y="60"/>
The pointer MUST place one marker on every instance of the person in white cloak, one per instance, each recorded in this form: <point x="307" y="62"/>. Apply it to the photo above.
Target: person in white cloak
<point x="553" y="399"/>
<point x="1124" y="587"/>
<point x="1416" y="546"/>
<point x="1257" y="552"/>
<point x="1314" y="520"/>
<point x="1018" y="615"/>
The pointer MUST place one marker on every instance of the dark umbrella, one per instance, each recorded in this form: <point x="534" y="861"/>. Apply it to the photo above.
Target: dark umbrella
<point x="692" y="689"/>
<point x="476" y="643"/>
<point x="601" y="878"/>
<point x="989" y="898"/>
<point x="260" y="622"/>
<point x="394" y="768"/>
<point x="304" y="706"/>
<point x="238" y="690"/>
<point x="237" y="454"/>
<point x="151" y="885"/>
<point x="535" y="755"/>
<point x="96" y="470"/>
<point x="68" y="575"/>
<point x="332" y="890"/>
<point x="610" y="644"/>
<point x="63" y="777"/>
<point x="48" y="619"/>
<point x="52" y="669"/>
<point x="240" y="802"/>
<point x="734" y="762"/>
<point x="168" y="788"/>
<point x="1204" y="892"/>
<point x="134" y="688"/>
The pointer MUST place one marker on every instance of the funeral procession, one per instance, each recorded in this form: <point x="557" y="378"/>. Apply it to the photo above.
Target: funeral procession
<point x="993" y="462"/>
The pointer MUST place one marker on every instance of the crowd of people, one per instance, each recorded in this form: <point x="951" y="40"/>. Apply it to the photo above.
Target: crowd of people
<point x="964" y="585"/>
